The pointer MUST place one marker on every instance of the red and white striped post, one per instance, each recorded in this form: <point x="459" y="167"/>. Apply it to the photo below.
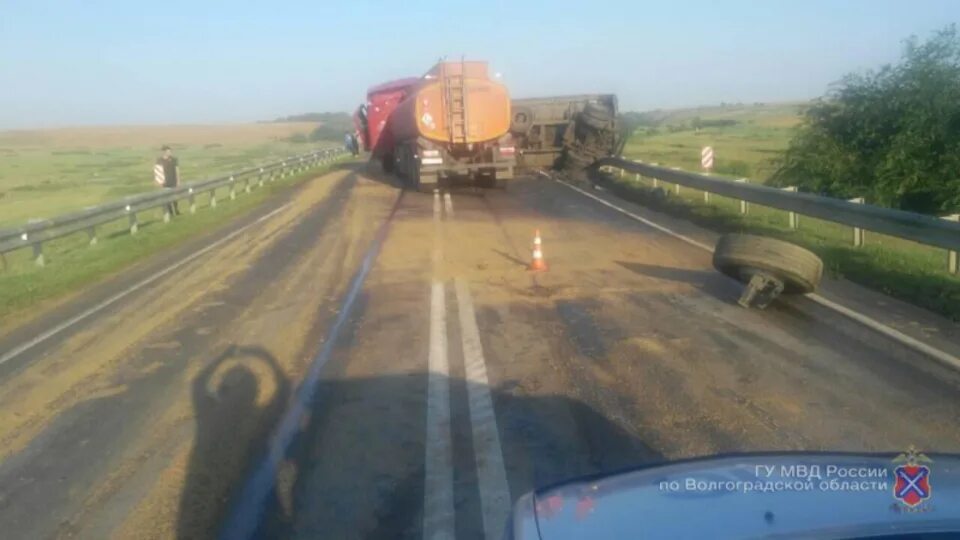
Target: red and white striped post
<point x="706" y="163"/>
<point x="706" y="159"/>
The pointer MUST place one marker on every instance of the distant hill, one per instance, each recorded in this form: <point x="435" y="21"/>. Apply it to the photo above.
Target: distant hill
<point x="331" y="125"/>
<point x="783" y="114"/>
<point x="340" y="118"/>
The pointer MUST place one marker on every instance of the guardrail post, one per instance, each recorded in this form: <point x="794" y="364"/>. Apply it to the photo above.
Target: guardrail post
<point x="744" y="205"/>
<point x="857" y="231"/>
<point x="656" y="181"/>
<point x="38" y="254"/>
<point x="792" y="220"/>
<point x="233" y="188"/>
<point x="213" y="198"/>
<point x="676" y="187"/>
<point x="952" y="255"/>
<point x="193" y="201"/>
<point x="246" y="186"/>
<point x="134" y="225"/>
<point x="260" y="177"/>
<point x="166" y="215"/>
<point x="92" y="234"/>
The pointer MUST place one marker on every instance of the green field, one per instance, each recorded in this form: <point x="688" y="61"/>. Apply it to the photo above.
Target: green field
<point x="746" y="148"/>
<point x="50" y="172"/>
<point x="74" y="263"/>
<point x="757" y="134"/>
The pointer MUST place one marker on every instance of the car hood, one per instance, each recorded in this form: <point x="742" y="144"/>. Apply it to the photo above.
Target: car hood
<point x="806" y="495"/>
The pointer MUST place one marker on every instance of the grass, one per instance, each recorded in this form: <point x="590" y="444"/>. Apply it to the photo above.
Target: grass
<point x="72" y="263"/>
<point x="45" y="173"/>
<point x="899" y="268"/>
<point x="744" y="149"/>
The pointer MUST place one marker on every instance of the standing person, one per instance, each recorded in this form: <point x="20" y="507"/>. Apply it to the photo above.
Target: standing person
<point x="351" y="143"/>
<point x="171" y="176"/>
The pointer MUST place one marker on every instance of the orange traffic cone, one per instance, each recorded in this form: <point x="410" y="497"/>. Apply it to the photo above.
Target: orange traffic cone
<point x="538" y="264"/>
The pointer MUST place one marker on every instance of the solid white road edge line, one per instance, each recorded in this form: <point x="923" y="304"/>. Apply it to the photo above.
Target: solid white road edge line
<point x="896" y="335"/>
<point x="24" y="347"/>
<point x="438" y="512"/>
<point x="491" y="474"/>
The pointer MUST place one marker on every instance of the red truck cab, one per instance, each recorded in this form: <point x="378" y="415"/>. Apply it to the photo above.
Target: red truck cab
<point x="373" y="118"/>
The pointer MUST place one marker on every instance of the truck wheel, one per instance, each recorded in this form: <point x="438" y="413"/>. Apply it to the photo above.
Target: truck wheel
<point x="412" y="179"/>
<point x="741" y="256"/>
<point x="575" y="160"/>
<point x="596" y="116"/>
<point x="487" y="180"/>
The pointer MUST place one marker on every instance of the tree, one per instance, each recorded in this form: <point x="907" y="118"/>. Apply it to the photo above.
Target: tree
<point x="892" y="135"/>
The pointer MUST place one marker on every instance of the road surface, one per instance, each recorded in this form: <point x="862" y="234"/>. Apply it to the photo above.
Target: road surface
<point x="419" y="394"/>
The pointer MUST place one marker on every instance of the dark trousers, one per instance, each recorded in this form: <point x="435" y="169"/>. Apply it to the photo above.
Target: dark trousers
<point x="172" y="207"/>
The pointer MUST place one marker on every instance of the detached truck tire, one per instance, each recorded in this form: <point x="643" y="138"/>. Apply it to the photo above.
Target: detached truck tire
<point x="744" y="256"/>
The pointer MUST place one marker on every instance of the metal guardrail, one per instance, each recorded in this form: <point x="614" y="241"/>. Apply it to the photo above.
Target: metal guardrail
<point x="937" y="232"/>
<point x="34" y="234"/>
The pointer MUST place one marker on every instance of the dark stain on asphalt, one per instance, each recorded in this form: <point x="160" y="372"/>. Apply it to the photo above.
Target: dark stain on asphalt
<point x="581" y="328"/>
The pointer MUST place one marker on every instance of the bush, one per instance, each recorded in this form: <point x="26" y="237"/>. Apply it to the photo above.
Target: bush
<point x="720" y="122"/>
<point x="298" y="138"/>
<point x="891" y="136"/>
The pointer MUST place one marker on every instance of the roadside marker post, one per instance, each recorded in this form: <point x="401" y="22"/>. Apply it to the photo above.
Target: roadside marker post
<point x="857" y="231"/>
<point x="38" y="254"/>
<point x="952" y="255"/>
<point x="794" y="223"/>
<point x="656" y="181"/>
<point x="744" y="205"/>
<point x="706" y="159"/>
<point x="134" y="225"/>
<point x="706" y="163"/>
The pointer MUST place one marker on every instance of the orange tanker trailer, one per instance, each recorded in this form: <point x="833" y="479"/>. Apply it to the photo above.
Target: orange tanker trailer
<point x="454" y="126"/>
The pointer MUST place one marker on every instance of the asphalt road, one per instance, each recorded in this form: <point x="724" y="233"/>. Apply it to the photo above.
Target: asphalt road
<point x="361" y="362"/>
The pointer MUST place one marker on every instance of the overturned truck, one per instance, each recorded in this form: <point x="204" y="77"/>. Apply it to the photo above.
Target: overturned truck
<point x="565" y="132"/>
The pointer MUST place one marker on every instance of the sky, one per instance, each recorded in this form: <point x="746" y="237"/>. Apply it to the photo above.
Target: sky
<point x="99" y="62"/>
